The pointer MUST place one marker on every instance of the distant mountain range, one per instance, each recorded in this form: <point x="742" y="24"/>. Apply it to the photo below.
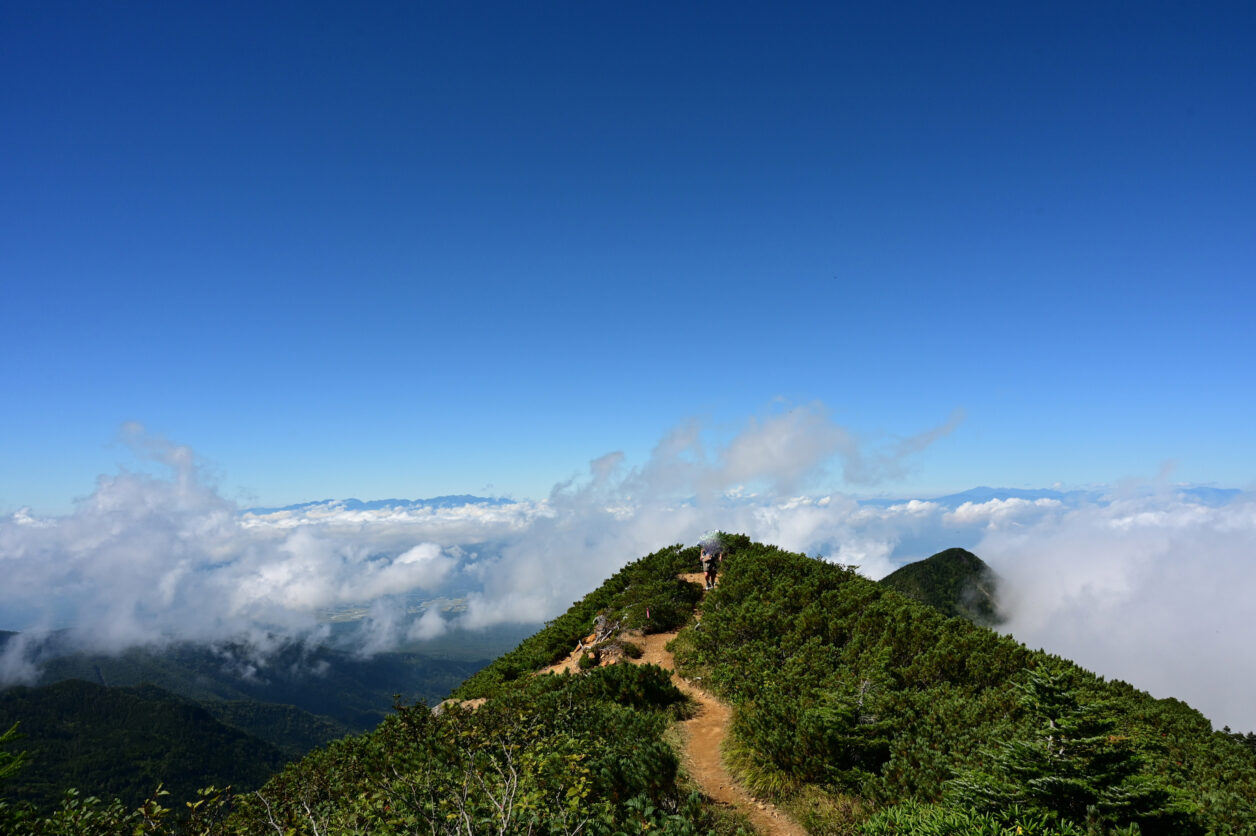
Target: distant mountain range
<point x="352" y="504"/>
<point x="1202" y="494"/>
<point x="979" y="495"/>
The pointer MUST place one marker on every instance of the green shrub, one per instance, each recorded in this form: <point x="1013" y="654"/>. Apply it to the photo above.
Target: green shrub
<point x="644" y="595"/>
<point x="844" y="685"/>
<point x="636" y="686"/>
<point x="938" y="820"/>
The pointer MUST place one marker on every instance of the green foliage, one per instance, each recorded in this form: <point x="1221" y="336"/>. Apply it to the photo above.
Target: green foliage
<point x="825" y="667"/>
<point x="955" y="582"/>
<point x="289" y="729"/>
<point x="796" y="644"/>
<point x="1071" y="763"/>
<point x="936" y="820"/>
<point x="635" y="686"/>
<point x="74" y="816"/>
<point x="835" y="737"/>
<point x="122" y="742"/>
<point x="342" y="690"/>
<point x="854" y="706"/>
<point x="555" y="754"/>
<point x="825" y="813"/>
<point x="10" y="762"/>
<point x="645" y="595"/>
<point x="1248" y="740"/>
<point x="78" y="816"/>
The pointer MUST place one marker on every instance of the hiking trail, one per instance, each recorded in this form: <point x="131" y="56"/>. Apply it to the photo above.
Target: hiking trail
<point x="703" y="733"/>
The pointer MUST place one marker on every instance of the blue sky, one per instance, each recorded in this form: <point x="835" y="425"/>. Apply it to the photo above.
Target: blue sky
<point x="412" y="250"/>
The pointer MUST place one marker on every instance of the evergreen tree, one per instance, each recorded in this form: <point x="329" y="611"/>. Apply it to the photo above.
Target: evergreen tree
<point x="10" y="762"/>
<point x="1073" y="764"/>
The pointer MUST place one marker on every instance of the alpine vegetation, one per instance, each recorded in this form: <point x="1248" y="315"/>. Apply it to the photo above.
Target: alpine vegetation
<point x="854" y="709"/>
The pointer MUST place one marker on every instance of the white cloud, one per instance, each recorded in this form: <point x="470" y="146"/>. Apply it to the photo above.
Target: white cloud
<point x="784" y="450"/>
<point x="1150" y="588"/>
<point x="147" y="559"/>
<point x="999" y="511"/>
<point x="427" y="626"/>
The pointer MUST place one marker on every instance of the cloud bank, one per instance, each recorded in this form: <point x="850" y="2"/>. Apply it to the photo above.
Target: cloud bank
<point x="1151" y="589"/>
<point x="1145" y="586"/>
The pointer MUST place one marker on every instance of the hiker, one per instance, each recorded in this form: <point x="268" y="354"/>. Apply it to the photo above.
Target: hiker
<point x="710" y="556"/>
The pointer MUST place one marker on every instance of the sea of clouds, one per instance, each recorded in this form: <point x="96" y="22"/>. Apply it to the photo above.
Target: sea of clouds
<point x="1145" y="583"/>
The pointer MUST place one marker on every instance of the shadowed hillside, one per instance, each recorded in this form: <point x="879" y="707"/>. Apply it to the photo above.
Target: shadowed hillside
<point x="353" y="691"/>
<point x="123" y="742"/>
<point x="955" y="582"/>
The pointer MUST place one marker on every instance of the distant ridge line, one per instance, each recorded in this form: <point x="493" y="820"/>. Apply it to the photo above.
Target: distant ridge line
<point x="1203" y="494"/>
<point x="354" y="504"/>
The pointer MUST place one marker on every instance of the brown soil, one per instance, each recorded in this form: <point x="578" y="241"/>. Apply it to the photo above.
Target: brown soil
<point x="703" y="733"/>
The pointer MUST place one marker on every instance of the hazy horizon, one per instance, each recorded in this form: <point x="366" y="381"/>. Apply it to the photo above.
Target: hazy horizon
<point x="152" y="558"/>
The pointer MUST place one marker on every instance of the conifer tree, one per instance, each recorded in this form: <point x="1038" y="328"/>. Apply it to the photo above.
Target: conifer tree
<point x="9" y="761"/>
<point x="1072" y="763"/>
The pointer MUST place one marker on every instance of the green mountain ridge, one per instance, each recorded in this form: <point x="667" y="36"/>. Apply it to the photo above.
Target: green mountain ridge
<point x="347" y="690"/>
<point x="123" y="742"/>
<point x="857" y="709"/>
<point x="955" y="582"/>
<point x="289" y="729"/>
<point x="358" y="691"/>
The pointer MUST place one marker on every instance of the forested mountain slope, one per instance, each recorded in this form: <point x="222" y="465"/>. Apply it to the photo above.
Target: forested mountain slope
<point x="296" y="696"/>
<point x="352" y="690"/>
<point x="954" y="582"/>
<point x="853" y="698"/>
<point x="122" y="742"/>
<point x="857" y="709"/>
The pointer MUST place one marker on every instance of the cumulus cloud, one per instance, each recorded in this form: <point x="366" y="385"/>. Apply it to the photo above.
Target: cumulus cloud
<point x="999" y="512"/>
<point x="1144" y="585"/>
<point x="156" y="554"/>
<point x="1149" y="589"/>
<point x="147" y="559"/>
<point x="784" y="450"/>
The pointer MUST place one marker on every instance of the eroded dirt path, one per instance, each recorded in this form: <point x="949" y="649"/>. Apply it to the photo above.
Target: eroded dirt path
<point x="703" y="734"/>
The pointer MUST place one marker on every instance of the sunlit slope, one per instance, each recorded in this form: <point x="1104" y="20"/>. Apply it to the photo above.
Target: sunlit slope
<point x="582" y="753"/>
<point x="854" y="699"/>
<point x="857" y="708"/>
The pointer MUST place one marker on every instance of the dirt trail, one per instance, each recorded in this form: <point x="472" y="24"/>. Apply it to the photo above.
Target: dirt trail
<point x="703" y="733"/>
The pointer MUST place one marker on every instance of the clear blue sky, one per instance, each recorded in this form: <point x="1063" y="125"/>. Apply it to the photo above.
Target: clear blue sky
<point x="398" y="249"/>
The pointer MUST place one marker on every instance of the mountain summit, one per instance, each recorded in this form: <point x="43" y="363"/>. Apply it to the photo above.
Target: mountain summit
<point x="955" y="582"/>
